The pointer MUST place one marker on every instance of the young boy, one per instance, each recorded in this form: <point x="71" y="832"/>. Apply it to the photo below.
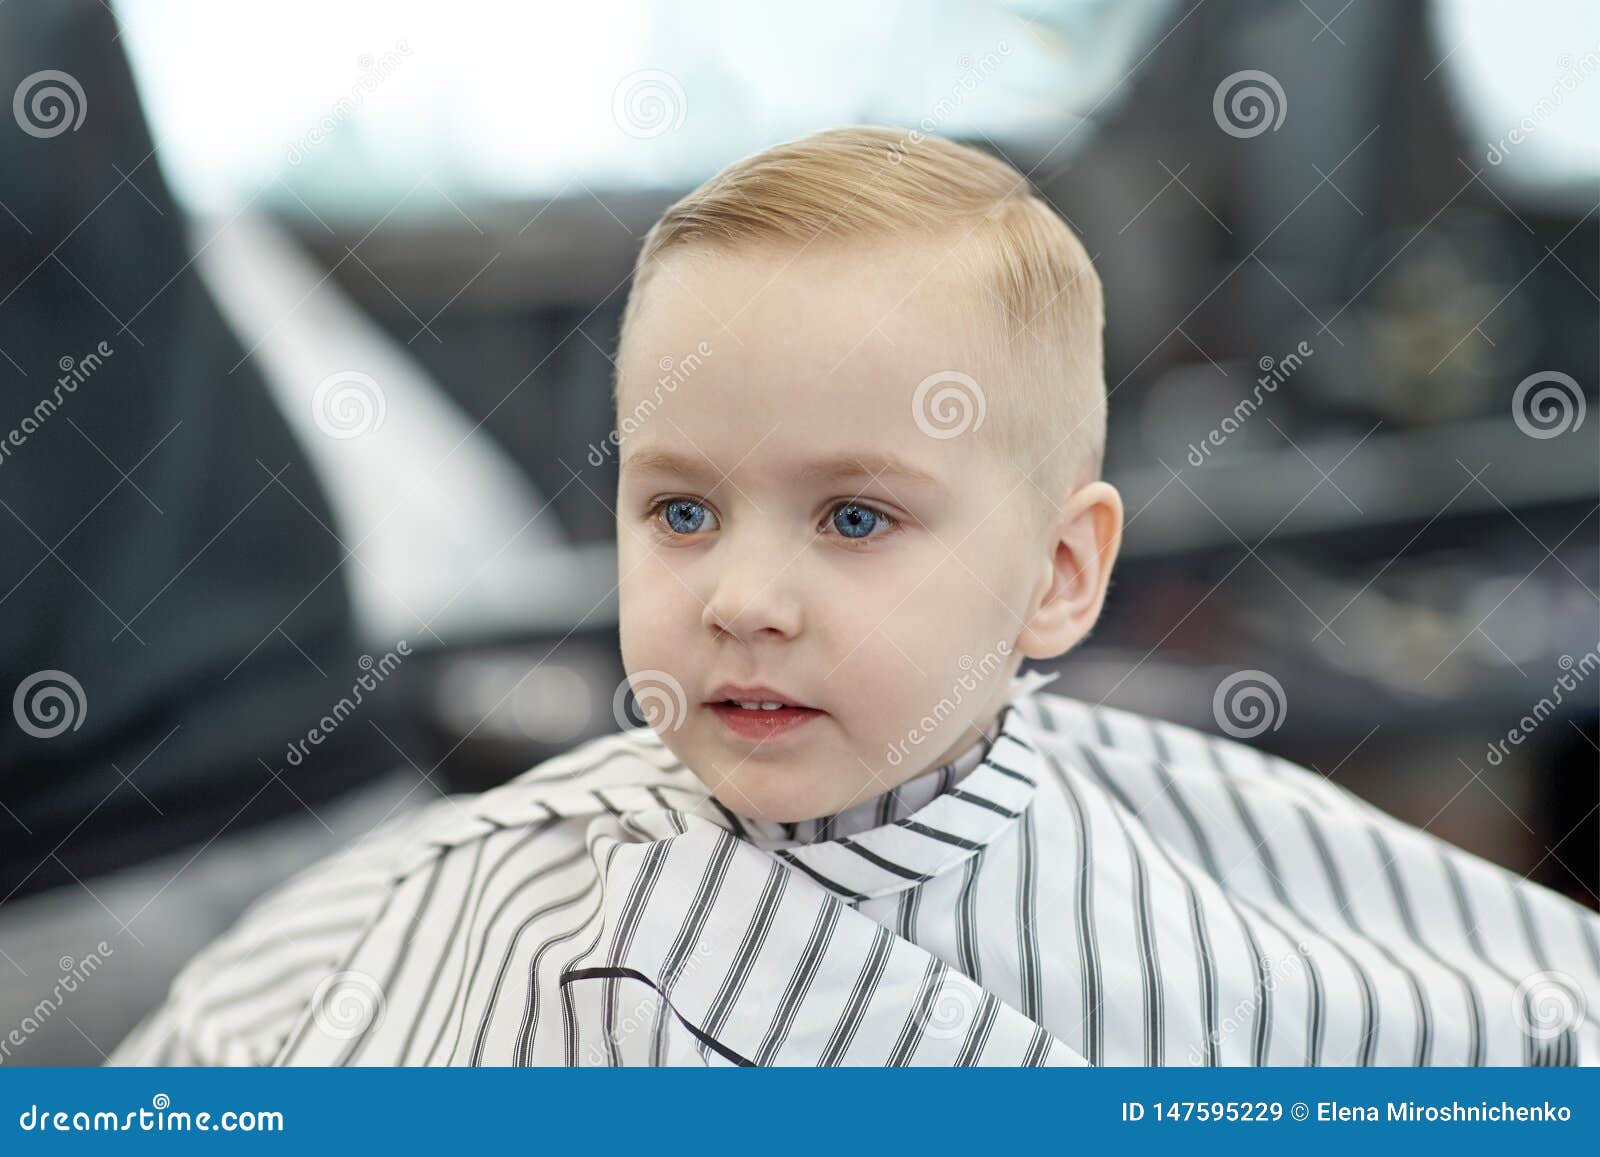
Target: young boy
<point x="866" y="491"/>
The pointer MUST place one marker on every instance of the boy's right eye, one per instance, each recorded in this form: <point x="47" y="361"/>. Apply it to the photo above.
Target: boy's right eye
<point x="684" y="515"/>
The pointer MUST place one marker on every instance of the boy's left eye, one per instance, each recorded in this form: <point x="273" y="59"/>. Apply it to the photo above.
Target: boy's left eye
<point x="852" y="520"/>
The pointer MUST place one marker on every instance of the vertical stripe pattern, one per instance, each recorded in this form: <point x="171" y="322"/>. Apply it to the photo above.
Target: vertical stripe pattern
<point x="1081" y="886"/>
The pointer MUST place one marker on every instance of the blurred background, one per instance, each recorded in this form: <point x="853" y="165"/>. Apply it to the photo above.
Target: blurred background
<point x="306" y="317"/>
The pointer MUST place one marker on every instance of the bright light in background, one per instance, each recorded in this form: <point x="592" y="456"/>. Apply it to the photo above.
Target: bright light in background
<point x="1527" y="84"/>
<point x="350" y="104"/>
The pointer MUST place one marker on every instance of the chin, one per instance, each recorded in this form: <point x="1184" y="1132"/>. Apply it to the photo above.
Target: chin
<point x="781" y="799"/>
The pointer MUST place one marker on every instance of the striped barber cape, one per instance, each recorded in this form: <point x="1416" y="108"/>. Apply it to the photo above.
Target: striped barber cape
<point x="1085" y="886"/>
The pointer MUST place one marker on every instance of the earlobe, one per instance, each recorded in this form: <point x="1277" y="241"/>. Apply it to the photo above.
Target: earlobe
<point x="1084" y="547"/>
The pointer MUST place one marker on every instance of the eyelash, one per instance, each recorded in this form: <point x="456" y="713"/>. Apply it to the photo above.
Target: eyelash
<point x="654" y="514"/>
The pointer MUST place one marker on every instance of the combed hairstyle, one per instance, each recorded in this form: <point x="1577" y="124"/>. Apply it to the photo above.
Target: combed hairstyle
<point x="1020" y="257"/>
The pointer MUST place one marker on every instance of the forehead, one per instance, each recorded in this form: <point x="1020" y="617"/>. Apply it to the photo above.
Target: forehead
<point x="809" y="356"/>
<point x="798" y="465"/>
<point x="832" y="294"/>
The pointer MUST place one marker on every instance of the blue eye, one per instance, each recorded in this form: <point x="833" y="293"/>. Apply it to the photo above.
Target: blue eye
<point x="685" y="516"/>
<point x="853" y="520"/>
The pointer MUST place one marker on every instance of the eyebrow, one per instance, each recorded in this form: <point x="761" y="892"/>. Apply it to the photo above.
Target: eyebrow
<point x="866" y="464"/>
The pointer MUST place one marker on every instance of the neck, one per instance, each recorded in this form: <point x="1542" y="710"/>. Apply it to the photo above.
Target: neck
<point x="981" y="732"/>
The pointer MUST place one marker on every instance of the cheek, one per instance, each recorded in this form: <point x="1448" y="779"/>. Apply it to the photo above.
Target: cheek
<point x="897" y="619"/>
<point x="856" y="599"/>
<point x="653" y="608"/>
<point x="966" y="604"/>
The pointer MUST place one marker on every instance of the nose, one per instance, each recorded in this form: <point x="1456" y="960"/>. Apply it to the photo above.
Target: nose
<point x="752" y="597"/>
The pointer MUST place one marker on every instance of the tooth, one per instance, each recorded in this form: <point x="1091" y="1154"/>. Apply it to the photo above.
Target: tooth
<point x="749" y="706"/>
<point x="771" y="706"/>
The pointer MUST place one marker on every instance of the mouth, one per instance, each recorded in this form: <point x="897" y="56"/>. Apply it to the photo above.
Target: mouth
<point x="759" y="713"/>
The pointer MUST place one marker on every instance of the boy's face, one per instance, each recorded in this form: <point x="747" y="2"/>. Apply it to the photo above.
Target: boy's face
<point x="888" y="605"/>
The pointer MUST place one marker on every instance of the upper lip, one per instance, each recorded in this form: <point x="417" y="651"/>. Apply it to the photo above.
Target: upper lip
<point x="753" y="693"/>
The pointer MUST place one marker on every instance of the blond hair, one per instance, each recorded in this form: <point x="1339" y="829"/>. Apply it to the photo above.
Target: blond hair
<point x="1023" y="260"/>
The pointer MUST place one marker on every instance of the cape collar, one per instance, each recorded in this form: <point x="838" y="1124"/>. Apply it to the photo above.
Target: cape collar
<point x="965" y="806"/>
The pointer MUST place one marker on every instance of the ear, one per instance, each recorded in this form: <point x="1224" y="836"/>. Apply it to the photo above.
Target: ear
<point x="1083" y="544"/>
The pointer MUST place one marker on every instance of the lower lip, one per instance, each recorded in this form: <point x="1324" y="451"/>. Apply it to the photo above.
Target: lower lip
<point x="763" y="725"/>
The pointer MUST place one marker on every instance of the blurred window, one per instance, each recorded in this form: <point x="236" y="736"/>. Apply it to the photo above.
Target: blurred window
<point x="1526" y="84"/>
<point x="345" y="107"/>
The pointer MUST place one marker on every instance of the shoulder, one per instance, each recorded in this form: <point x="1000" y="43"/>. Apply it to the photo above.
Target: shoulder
<point x="1207" y="794"/>
<point x="1126" y="746"/>
<point x="236" y="1001"/>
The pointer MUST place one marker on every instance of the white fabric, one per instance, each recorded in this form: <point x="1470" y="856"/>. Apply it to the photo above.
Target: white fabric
<point x="1091" y="886"/>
